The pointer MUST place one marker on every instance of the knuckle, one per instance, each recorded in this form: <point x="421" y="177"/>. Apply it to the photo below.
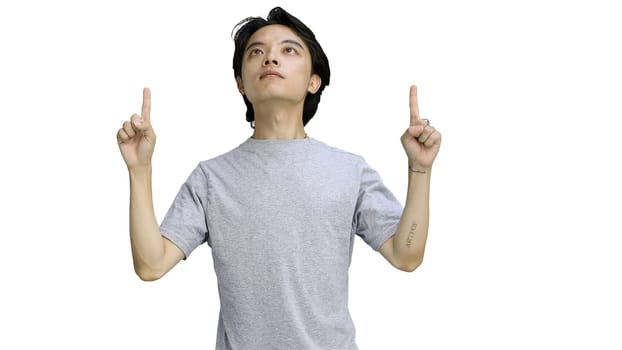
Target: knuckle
<point x="128" y="127"/>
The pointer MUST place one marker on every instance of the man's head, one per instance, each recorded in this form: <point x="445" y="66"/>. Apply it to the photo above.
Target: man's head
<point x="280" y="39"/>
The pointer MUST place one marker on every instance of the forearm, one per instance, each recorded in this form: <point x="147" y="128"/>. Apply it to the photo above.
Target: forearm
<point x="410" y="239"/>
<point x="145" y="237"/>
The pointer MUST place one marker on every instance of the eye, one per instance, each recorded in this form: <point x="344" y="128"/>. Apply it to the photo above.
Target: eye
<point x="291" y="50"/>
<point x="254" y="52"/>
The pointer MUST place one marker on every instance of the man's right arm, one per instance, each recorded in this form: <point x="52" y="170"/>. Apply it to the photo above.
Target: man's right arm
<point x="153" y="255"/>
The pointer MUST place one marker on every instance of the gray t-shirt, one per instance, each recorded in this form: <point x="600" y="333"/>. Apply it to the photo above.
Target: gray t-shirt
<point x="280" y="217"/>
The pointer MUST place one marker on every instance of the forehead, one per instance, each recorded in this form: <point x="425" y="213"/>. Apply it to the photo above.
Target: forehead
<point x="275" y="33"/>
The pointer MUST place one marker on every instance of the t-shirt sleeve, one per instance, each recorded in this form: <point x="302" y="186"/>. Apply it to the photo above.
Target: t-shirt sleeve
<point x="185" y="222"/>
<point x="377" y="211"/>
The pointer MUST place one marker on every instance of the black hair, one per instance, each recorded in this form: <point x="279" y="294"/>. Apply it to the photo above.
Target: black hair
<point x="319" y="62"/>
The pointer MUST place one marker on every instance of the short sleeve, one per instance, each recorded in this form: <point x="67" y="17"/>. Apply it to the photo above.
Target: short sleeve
<point x="378" y="212"/>
<point x="185" y="222"/>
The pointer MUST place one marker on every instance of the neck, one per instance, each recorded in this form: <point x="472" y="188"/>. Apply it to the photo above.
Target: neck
<point x="278" y="124"/>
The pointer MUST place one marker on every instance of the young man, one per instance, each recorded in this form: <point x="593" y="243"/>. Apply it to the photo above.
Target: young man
<point x="281" y="210"/>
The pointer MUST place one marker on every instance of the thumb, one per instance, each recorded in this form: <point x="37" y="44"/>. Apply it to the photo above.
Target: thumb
<point x="411" y="133"/>
<point x="143" y="126"/>
<point x="415" y="130"/>
<point x="140" y="124"/>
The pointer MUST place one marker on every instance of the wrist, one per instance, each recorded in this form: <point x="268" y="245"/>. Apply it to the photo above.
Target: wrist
<point x="416" y="168"/>
<point x="140" y="170"/>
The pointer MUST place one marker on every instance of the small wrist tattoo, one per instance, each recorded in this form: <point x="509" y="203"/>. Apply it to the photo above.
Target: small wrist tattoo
<point x="417" y="171"/>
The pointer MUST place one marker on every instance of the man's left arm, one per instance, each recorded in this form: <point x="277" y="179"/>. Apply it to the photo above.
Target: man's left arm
<point x="406" y="248"/>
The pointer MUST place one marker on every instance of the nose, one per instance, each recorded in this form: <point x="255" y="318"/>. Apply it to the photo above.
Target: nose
<point x="270" y="59"/>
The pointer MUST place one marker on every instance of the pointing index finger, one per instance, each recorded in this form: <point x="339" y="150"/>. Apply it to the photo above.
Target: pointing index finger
<point x="146" y="110"/>
<point x="414" y="105"/>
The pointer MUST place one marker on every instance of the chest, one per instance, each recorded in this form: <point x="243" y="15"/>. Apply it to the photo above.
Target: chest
<point x="307" y="208"/>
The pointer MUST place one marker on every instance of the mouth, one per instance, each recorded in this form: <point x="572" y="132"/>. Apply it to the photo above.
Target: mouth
<point x="270" y="73"/>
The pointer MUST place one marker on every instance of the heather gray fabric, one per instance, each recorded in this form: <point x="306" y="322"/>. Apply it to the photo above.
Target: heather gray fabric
<point x="280" y="217"/>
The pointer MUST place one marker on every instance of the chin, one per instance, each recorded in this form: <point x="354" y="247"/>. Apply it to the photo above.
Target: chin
<point x="276" y="94"/>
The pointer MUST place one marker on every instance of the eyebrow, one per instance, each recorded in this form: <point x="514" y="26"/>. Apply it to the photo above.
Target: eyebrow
<point x="286" y="41"/>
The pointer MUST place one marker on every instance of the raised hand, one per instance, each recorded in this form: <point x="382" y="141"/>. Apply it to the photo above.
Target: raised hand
<point x="421" y="141"/>
<point x="136" y="138"/>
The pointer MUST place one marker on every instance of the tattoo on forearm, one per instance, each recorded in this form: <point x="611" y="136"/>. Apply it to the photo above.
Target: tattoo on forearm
<point x="411" y="235"/>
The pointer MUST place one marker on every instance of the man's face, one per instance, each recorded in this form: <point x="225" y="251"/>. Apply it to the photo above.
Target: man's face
<point x="276" y="64"/>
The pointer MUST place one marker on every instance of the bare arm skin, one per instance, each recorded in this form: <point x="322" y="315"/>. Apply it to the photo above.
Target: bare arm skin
<point x="406" y="248"/>
<point x="153" y="255"/>
<point x="421" y="142"/>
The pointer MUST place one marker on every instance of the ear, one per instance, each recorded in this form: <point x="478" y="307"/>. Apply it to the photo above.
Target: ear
<point x="314" y="84"/>
<point x="238" y="81"/>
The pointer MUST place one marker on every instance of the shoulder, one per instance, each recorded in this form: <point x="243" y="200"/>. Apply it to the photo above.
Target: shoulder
<point x="223" y="158"/>
<point x="337" y="152"/>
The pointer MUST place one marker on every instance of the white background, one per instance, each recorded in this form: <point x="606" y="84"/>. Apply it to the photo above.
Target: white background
<point x="523" y="250"/>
